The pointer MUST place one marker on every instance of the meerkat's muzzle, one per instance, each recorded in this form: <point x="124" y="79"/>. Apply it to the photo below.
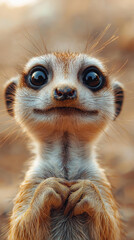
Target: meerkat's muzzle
<point x="65" y="93"/>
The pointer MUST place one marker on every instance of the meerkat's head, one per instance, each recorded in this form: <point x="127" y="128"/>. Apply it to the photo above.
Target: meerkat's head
<point x="62" y="92"/>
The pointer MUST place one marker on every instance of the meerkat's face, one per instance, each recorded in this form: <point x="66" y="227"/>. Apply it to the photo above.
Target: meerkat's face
<point x="65" y="92"/>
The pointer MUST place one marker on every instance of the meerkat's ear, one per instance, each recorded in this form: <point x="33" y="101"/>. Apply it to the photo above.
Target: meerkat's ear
<point x="10" y="90"/>
<point x="119" y="97"/>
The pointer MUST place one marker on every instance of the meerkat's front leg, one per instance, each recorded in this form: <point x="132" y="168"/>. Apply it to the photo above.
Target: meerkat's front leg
<point x="31" y="213"/>
<point x="86" y="197"/>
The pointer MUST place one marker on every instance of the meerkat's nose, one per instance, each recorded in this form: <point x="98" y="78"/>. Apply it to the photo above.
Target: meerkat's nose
<point x="64" y="93"/>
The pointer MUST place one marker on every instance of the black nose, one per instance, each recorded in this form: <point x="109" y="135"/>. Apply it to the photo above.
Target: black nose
<point x="63" y="93"/>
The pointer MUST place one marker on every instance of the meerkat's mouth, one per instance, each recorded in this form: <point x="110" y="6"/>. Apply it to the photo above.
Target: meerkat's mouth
<point x="66" y="111"/>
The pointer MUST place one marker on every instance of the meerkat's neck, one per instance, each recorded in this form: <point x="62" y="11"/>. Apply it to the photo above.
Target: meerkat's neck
<point x="66" y="154"/>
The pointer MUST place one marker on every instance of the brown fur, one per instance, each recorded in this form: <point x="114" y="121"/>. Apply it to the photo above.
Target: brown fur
<point x="65" y="57"/>
<point x="31" y="214"/>
<point x="57" y="201"/>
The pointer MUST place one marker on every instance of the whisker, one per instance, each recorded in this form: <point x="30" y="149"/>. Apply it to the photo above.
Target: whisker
<point x="100" y="37"/>
<point x="43" y="42"/>
<point x="29" y="51"/>
<point x="106" y="44"/>
<point x="4" y="139"/>
<point x="119" y="133"/>
<point x="89" y="39"/>
<point x="34" y="43"/>
<point x="122" y="66"/>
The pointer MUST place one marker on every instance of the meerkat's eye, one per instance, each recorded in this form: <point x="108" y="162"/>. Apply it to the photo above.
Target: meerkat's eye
<point x="37" y="77"/>
<point x="93" y="78"/>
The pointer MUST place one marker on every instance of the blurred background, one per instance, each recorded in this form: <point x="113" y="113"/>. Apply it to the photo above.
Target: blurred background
<point x="27" y="28"/>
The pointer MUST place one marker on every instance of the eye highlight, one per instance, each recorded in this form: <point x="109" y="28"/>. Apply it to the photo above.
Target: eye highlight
<point x="37" y="77"/>
<point x="93" y="78"/>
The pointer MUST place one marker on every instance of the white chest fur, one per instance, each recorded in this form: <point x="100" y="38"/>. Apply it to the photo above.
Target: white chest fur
<point x="66" y="157"/>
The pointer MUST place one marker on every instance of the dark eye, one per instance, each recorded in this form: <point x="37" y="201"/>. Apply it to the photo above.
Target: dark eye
<point x="38" y="77"/>
<point x="93" y="78"/>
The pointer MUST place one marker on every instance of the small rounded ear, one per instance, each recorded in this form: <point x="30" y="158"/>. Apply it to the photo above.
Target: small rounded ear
<point x="10" y="90"/>
<point x="119" y="97"/>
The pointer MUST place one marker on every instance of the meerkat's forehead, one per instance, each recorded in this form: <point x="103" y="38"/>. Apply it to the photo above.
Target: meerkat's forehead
<point x="67" y="59"/>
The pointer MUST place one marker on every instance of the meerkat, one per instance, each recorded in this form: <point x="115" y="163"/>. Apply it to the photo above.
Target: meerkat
<point x="64" y="101"/>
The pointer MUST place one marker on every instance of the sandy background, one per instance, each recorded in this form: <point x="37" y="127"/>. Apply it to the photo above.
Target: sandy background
<point x="63" y="25"/>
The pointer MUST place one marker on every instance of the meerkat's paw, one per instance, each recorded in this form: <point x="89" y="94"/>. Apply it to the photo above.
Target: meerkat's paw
<point x="84" y="198"/>
<point x="51" y="193"/>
